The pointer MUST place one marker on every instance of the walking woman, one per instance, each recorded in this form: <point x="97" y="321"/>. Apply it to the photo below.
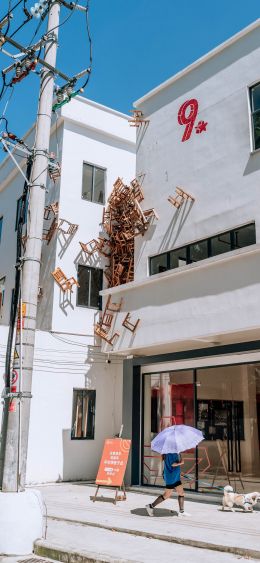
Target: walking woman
<point x="172" y="478"/>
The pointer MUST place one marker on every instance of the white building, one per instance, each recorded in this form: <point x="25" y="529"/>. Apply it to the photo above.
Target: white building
<point x="77" y="395"/>
<point x="195" y="355"/>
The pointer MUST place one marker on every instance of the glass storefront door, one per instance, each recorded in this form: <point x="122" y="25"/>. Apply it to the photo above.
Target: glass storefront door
<point x="223" y="402"/>
<point x="228" y="415"/>
<point x="168" y="400"/>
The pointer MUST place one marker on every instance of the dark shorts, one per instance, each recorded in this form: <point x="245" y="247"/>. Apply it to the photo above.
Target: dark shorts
<point x="173" y="485"/>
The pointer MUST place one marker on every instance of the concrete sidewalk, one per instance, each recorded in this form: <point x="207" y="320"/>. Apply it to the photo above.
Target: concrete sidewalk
<point x="78" y="527"/>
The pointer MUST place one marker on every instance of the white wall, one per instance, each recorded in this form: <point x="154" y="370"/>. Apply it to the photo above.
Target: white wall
<point x="61" y="364"/>
<point x="104" y="138"/>
<point x="67" y="355"/>
<point x="219" y="295"/>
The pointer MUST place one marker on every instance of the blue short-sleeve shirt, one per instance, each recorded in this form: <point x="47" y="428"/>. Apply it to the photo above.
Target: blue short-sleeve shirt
<point x="171" y="474"/>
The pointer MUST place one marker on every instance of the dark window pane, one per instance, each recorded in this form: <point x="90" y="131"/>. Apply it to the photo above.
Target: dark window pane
<point x="19" y="207"/>
<point x="255" y="97"/>
<point x="2" y="293"/>
<point x="87" y="182"/>
<point x="220" y="244"/>
<point x="158" y="264"/>
<point x="1" y="227"/>
<point x="95" y="287"/>
<point x="178" y="257"/>
<point x="99" y="185"/>
<point x="84" y="282"/>
<point x="244" y="236"/>
<point x="83" y="414"/>
<point x="199" y="251"/>
<point x="256" y="129"/>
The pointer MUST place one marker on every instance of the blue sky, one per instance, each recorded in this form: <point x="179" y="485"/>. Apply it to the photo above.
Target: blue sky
<point x="137" y="44"/>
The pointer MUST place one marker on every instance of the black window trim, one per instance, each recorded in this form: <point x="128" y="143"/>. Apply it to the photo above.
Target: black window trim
<point x="208" y="239"/>
<point x="83" y="437"/>
<point x="99" y="308"/>
<point x="94" y="166"/>
<point x="251" y="115"/>
<point x="1" y="227"/>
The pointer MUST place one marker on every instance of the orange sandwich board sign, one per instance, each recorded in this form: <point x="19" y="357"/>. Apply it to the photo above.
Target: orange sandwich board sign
<point x="112" y="465"/>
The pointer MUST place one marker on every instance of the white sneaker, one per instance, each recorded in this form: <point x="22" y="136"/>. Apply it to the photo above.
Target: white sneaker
<point x="184" y="514"/>
<point x="149" y="509"/>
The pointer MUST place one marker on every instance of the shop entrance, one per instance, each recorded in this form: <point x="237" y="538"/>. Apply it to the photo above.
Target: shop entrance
<point x="223" y="402"/>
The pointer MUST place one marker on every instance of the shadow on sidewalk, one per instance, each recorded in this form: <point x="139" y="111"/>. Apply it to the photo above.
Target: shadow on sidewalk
<point x="158" y="512"/>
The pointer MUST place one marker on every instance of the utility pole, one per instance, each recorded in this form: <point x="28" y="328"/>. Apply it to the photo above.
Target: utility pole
<point x="14" y="469"/>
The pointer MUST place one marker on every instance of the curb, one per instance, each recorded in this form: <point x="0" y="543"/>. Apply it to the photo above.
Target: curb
<point x="55" y="552"/>
<point x="74" y="557"/>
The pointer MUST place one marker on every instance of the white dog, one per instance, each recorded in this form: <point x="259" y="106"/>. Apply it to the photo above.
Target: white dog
<point x="247" y="502"/>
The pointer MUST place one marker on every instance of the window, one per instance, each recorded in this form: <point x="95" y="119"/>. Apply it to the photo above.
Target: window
<point x="19" y="210"/>
<point x="202" y="249"/>
<point x="93" y="183"/>
<point x="91" y="282"/>
<point x="158" y="264"/>
<point x="178" y="258"/>
<point x="255" y="115"/>
<point x="83" y="414"/>
<point x="220" y="244"/>
<point x="2" y="293"/>
<point x="1" y="227"/>
<point x="198" y="251"/>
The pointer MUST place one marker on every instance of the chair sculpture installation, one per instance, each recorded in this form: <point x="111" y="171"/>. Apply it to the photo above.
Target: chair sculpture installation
<point x="123" y="220"/>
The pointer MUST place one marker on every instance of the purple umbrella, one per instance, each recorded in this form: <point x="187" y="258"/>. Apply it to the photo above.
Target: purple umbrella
<point x="176" y="439"/>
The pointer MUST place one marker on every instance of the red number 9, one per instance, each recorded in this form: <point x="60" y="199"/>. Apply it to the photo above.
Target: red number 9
<point x="190" y="119"/>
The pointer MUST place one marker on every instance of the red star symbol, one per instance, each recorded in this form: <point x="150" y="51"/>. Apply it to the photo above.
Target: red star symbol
<point x="201" y="126"/>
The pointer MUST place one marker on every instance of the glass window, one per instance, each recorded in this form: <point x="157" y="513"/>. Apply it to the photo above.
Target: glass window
<point x="93" y="183"/>
<point x="158" y="264"/>
<point x="198" y="251"/>
<point x="19" y="207"/>
<point x="178" y="257"/>
<point x="255" y="109"/>
<point x="90" y="281"/>
<point x="202" y="249"/>
<point x="244" y="236"/>
<point x="1" y="227"/>
<point x="220" y="244"/>
<point x="2" y="293"/>
<point x="83" y="414"/>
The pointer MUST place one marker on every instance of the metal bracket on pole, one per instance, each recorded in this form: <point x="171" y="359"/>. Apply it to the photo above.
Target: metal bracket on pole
<point x="41" y="61"/>
<point x="18" y="395"/>
<point x="15" y="161"/>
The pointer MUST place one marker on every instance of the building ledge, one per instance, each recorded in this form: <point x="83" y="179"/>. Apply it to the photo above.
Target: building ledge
<point x="185" y="270"/>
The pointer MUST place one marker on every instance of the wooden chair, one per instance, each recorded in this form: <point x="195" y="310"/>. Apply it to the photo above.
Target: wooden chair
<point x="61" y="279"/>
<point x="180" y="192"/>
<point x="48" y="233"/>
<point x="130" y="326"/>
<point x="114" y="307"/>
<point x="107" y="319"/>
<point x="118" y="271"/>
<point x="150" y="213"/>
<point x="180" y="197"/>
<point x="137" y="190"/>
<point x="137" y="119"/>
<point x="102" y="333"/>
<point x="223" y="461"/>
<point x="176" y="201"/>
<point x="52" y="209"/>
<point x="66" y="227"/>
<point x="89" y="247"/>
